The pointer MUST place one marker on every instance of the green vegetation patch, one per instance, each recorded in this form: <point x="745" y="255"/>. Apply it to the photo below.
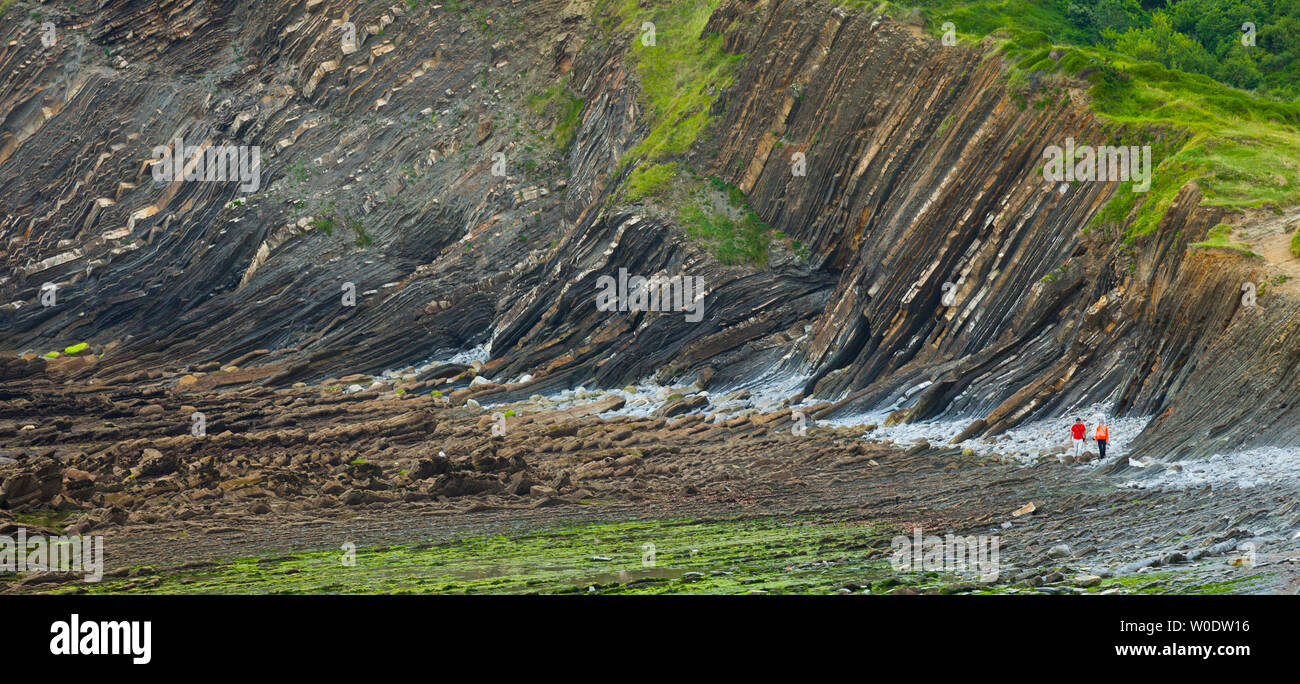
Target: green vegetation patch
<point x="681" y="72"/>
<point x="801" y="554"/>
<point x="1248" y="44"/>
<point x="564" y="108"/>
<point x="731" y="556"/>
<point x="1162" y="73"/>
<point x="1220" y="237"/>
<point x="52" y="520"/>
<point x="1242" y="149"/>
<point x="331" y="217"/>
<point x="734" y="232"/>
<point x="650" y="181"/>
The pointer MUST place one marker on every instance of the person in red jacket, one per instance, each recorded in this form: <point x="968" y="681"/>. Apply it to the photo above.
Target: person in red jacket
<point x="1078" y="435"/>
<point x="1102" y="437"/>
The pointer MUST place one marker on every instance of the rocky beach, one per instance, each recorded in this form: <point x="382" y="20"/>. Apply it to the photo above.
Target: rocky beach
<point x="485" y="297"/>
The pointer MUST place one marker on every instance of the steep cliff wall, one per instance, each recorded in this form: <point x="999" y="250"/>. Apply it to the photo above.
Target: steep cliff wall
<point x="387" y="145"/>
<point x="922" y="168"/>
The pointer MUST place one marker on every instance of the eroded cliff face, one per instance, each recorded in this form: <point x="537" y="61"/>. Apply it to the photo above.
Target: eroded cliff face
<point x="387" y="144"/>
<point x="922" y="168"/>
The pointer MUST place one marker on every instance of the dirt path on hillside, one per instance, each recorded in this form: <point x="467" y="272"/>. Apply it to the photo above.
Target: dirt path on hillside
<point x="1269" y="235"/>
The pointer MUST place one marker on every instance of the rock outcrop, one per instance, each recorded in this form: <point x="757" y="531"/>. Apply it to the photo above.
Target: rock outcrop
<point x="411" y="171"/>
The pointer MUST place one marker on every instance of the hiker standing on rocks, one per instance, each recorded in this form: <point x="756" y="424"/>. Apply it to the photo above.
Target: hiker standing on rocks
<point x="1078" y="435"/>
<point x="1102" y="436"/>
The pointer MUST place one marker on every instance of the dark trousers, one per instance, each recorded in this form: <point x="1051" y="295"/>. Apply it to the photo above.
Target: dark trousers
<point x="1101" y="449"/>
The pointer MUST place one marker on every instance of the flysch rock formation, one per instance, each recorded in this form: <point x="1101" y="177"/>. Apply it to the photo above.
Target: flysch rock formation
<point x="927" y="172"/>
<point x="378" y="177"/>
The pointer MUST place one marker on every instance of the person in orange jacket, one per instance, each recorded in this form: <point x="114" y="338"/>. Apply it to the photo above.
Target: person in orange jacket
<point x="1102" y="437"/>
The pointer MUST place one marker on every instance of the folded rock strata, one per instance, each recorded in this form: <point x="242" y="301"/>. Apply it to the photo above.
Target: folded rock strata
<point x="378" y="175"/>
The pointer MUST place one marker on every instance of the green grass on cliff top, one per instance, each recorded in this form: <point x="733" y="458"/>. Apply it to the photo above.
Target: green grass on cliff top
<point x="1241" y="148"/>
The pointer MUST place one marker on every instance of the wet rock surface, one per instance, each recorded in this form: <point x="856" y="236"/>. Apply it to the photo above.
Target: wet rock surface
<point x="307" y="468"/>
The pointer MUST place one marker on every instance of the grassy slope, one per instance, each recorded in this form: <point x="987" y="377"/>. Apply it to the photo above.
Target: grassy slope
<point x="1220" y="237"/>
<point x="681" y="74"/>
<point x="1241" y="148"/>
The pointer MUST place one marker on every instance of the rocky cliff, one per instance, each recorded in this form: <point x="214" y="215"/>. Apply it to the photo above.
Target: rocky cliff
<point x="380" y="172"/>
